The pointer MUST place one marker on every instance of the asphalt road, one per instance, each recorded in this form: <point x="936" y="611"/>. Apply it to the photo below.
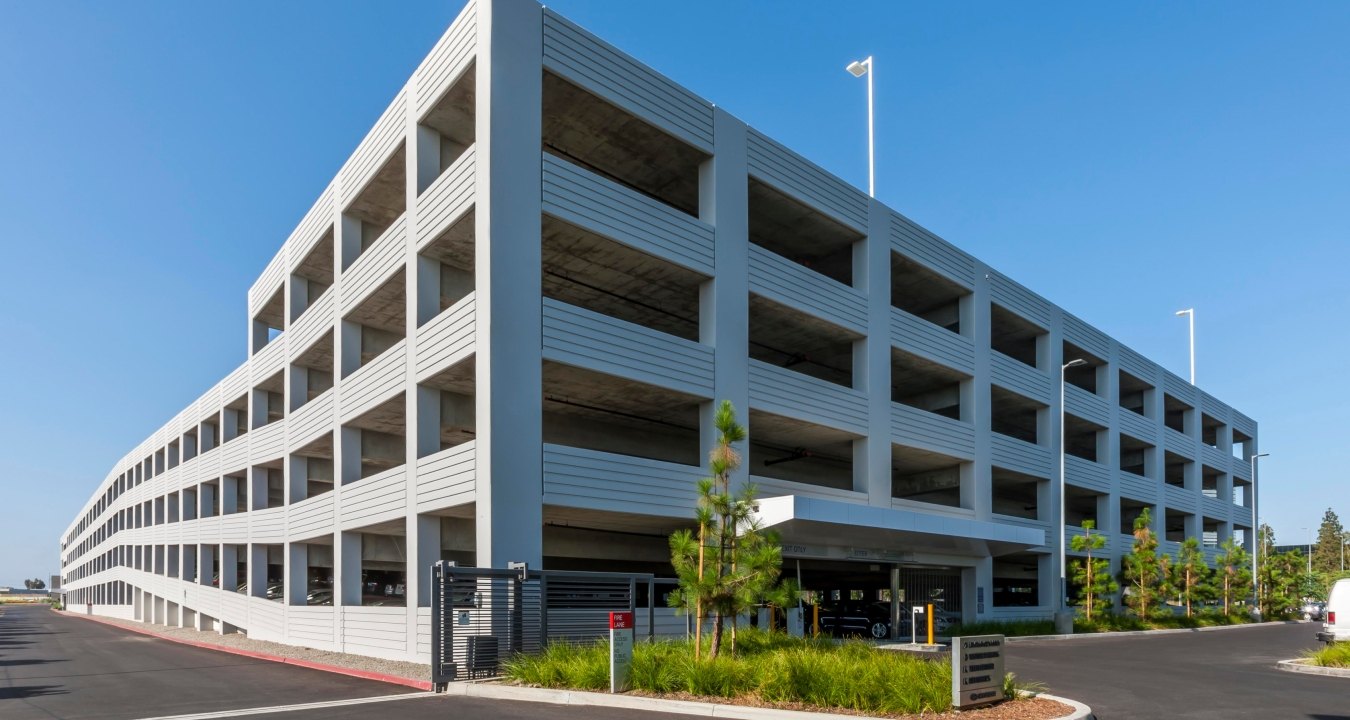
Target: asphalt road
<point x="55" y="667"/>
<point x="1223" y="675"/>
<point x="58" y="667"/>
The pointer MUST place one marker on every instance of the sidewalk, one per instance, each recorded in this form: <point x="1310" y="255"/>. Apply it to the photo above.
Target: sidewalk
<point x="408" y="674"/>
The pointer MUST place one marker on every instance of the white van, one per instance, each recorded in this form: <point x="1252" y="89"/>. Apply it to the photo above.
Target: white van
<point x="1338" y="609"/>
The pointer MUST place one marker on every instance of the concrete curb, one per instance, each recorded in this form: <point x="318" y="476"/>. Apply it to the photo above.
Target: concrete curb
<point x="580" y="698"/>
<point x="336" y="669"/>
<point x="1300" y="665"/>
<point x="1134" y="633"/>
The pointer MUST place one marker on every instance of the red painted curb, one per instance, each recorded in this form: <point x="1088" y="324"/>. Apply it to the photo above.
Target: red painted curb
<point x="336" y="669"/>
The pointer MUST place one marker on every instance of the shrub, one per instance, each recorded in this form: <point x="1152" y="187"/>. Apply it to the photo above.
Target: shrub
<point x="1334" y="655"/>
<point x="769" y="667"/>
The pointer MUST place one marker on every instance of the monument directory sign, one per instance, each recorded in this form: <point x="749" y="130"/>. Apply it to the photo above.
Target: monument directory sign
<point x="620" y="650"/>
<point x="977" y="670"/>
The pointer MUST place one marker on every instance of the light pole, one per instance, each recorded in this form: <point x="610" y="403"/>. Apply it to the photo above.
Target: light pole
<point x="858" y="68"/>
<point x="1256" y="539"/>
<point x="1309" y="531"/>
<point x="1063" y="621"/>
<point x="1190" y="313"/>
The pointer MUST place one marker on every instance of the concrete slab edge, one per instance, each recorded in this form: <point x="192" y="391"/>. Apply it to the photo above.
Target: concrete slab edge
<point x="1300" y="665"/>
<point x="1080" y="711"/>
<point x="582" y="698"/>
<point x="324" y="667"/>
<point x="1131" y="633"/>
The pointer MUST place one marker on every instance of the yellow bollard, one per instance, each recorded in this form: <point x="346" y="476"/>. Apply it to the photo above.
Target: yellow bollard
<point x="815" y="620"/>
<point x="930" y="623"/>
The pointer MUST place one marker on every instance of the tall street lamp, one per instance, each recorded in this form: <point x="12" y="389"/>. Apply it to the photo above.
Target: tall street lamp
<point x="1309" y="531"/>
<point x="1256" y="539"/>
<point x="1190" y="313"/>
<point x="1063" y="620"/>
<point x="858" y="68"/>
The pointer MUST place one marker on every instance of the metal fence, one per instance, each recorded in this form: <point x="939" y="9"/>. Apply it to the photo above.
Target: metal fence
<point x="482" y="616"/>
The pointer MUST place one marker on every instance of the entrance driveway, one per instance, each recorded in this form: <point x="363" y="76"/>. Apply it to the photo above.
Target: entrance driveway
<point x="1218" y="675"/>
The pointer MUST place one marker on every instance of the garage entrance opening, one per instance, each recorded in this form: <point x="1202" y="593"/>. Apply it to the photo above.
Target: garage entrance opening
<point x="873" y="600"/>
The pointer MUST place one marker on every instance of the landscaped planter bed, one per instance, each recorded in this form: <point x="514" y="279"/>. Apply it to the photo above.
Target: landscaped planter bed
<point x="771" y="670"/>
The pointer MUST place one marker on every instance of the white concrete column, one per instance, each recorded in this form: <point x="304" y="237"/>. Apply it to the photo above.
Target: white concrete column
<point x="1050" y="355"/>
<point x="724" y="301"/>
<point x="206" y="563"/>
<point x="507" y="271"/>
<point x="229" y="495"/>
<point x="257" y="480"/>
<point x="348" y="241"/>
<point x="426" y="166"/>
<point x="229" y="560"/>
<point x="424" y="549"/>
<point x="257" y="570"/>
<point x="977" y="492"/>
<point x="297" y="573"/>
<point x="347" y="457"/>
<point x="297" y="479"/>
<point x="872" y="275"/>
<point x="296" y="297"/>
<point x="347" y="569"/>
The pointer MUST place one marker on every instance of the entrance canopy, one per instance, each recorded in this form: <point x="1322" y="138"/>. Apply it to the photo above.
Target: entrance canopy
<point x="817" y="521"/>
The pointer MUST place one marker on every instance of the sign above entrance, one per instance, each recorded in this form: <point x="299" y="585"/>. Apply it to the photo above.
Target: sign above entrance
<point x="848" y="553"/>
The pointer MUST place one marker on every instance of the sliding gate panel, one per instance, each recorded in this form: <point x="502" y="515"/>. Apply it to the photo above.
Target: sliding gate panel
<point x="482" y="616"/>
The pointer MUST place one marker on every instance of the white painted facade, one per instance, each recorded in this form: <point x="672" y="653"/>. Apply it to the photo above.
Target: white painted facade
<point x="420" y="396"/>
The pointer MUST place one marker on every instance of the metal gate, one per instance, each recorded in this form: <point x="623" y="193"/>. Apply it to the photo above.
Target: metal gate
<point x="942" y="589"/>
<point x="482" y="616"/>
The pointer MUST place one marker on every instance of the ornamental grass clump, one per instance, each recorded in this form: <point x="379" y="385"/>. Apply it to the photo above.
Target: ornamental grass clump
<point x="769" y="668"/>
<point x="1336" y="655"/>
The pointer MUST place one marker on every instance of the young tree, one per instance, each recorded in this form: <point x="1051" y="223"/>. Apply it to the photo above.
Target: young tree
<point x="1143" y="569"/>
<point x="1234" y="572"/>
<point x="1326" y="554"/>
<point x="1188" y="573"/>
<point x="1092" y="574"/>
<point x="733" y="563"/>
<point x="1280" y="576"/>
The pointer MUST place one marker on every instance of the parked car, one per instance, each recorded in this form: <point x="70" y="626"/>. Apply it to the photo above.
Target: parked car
<point x="874" y="620"/>
<point x="1312" y="610"/>
<point x="857" y="620"/>
<point x="1337" y="609"/>
<point x="276" y="592"/>
<point x="319" y="597"/>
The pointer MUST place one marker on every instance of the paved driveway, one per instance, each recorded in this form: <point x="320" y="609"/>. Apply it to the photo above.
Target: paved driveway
<point x="56" y="667"/>
<point x="1221" y="675"/>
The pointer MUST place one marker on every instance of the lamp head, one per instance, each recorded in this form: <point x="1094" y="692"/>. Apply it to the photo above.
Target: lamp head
<point x="1075" y="363"/>
<point x="857" y="68"/>
<point x="1184" y="312"/>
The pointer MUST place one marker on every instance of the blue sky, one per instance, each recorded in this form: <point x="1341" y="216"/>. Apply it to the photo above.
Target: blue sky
<point x="1124" y="161"/>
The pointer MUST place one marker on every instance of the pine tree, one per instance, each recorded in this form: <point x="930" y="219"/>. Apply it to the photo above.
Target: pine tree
<point x="1280" y="575"/>
<point x="733" y="563"/>
<point x="1092" y="574"/>
<point x="1326" y="554"/>
<point x="1143" y="568"/>
<point x="1234" y="572"/>
<point x="1188" y="573"/>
